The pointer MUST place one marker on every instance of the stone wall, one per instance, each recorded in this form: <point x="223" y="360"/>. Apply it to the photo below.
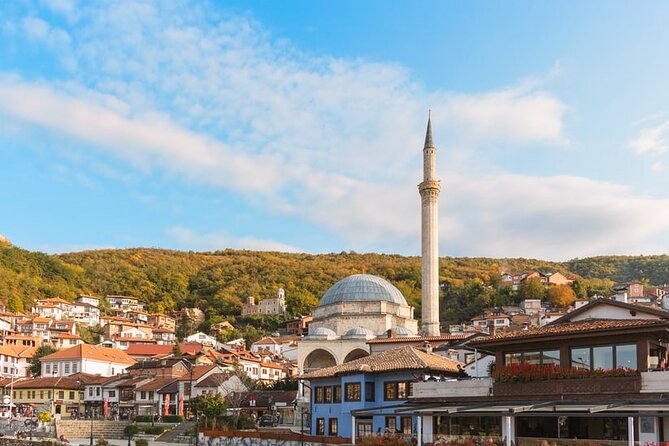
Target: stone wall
<point x="8" y="441"/>
<point x="244" y="441"/>
<point x="82" y="428"/>
<point x="266" y="438"/>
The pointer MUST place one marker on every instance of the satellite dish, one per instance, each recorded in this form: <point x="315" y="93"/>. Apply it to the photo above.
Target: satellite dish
<point x="6" y="399"/>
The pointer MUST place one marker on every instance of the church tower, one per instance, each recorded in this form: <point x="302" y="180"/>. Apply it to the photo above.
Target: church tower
<point x="429" y="196"/>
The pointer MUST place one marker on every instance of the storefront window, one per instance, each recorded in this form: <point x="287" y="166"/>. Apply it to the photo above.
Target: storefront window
<point x="352" y="391"/>
<point x="332" y="427"/>
<point x="475" y="426"/>
<point x="550" y="357"/>
<point x="532" y="358"/>
<point x="391" y="427"/>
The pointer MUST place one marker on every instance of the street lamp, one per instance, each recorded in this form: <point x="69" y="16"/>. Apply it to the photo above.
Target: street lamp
<point x="91" y="442"/>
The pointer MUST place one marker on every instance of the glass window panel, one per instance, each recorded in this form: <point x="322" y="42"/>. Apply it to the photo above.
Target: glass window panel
<point x="512" y="358"/>
<point x="626" y="356"/>
<point x="401" y="391"/>
<point x="602" y="357"/>
<point x="532" y="358"/>
<point x="580" y="358"/>
<point x="550" y="357"/>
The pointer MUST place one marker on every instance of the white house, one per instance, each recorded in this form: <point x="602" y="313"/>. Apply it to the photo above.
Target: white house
<point x="85" y="313"/>
<point x="204" y="339"/>
<point x="9" y="363"/>
<point x="285" y="346"/>
<point x="91" y="300"/>
<point x="86" y="358"/>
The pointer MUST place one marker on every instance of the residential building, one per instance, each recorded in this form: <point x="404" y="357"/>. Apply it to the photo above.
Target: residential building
<point x="85" y="299"/>
<point x="285" y="346"/>
<point x="124" y="303"/>
<point x="261" y="402"/>
<point x="492" y="320"/>
<point x="371" y="387"/>
<point x="163" y="336"/>
<point x="271" y="305"/>
<point x="9" y="363"/>
<point x="298" y="326"/>
<point x="163" y="321"/>
<point x="203" y="339"/>
<point x="220" y="328"/>
<point x="140" y="352"/>
<point x="219" y="383"/>
<point x="61" y="396"/>
<point x="85" y="313"/>
<point x="86" y="358"/>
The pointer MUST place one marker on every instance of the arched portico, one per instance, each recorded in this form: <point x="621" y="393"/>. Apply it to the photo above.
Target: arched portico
<point x="356" y="354"/>
<point x="318" y="359"/>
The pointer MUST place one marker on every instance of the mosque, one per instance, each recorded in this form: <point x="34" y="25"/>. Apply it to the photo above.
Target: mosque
<point x="362" y="306"/>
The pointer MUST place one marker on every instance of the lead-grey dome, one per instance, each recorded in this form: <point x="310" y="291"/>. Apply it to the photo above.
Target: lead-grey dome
<point x="363" y="288"/>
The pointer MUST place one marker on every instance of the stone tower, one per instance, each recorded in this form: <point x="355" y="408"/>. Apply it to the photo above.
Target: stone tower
<point x="429" y="196"/>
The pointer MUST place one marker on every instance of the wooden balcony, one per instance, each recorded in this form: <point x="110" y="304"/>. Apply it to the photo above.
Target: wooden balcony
<point x="558" y="387"/>
<point x="453" y="388"/>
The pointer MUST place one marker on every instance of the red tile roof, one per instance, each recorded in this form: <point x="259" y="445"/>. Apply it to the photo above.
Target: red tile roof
<point x="403" y="339"/>
<point x="94" y="352"/>
<point x="578" y="327"/>
<point x="149" y="350"/>
<point x="402" y="358"/>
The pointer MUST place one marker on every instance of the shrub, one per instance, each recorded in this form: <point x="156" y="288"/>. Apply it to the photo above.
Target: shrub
<point x="154" y="430"/>
<point x="532" y="372"/>
<point x="143" y="419"/>
<point x="131" y="429"/>
<point x="173" y="419"/>
<point x="141" y="442"/>
<point x="102" y="442"/>
<point x="44" y="417"/>
<point x="245" y="421"/>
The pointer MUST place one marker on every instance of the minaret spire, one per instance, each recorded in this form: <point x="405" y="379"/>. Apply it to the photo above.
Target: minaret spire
<point x="429" y="192"/>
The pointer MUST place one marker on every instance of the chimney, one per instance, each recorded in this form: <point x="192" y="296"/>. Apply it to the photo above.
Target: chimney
<point x="428" y="347"/>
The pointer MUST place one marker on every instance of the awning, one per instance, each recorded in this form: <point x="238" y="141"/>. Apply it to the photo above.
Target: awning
<point x="621" y="408"/>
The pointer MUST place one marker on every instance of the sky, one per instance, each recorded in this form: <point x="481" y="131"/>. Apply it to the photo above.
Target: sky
<point x="298" y="125"/>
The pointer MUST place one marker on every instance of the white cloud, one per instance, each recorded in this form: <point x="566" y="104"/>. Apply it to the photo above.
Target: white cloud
<point x="334" y="142"/>
<point x="652" y="140"/>
<point x="219" y="240"/>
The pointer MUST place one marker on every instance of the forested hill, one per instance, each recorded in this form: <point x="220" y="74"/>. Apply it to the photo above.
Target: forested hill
<point x="218" y="282"/>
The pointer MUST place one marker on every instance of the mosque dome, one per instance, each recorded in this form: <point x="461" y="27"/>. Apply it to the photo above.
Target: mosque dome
<point x="363" y="288"/>
<point x="402" y="332"/>
<point x="359" y="332"/>
<point x="325" y="332"/>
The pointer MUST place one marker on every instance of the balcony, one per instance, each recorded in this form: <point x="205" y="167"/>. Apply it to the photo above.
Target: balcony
<point x="559" y="387"/>
<point x="453" y="388"/>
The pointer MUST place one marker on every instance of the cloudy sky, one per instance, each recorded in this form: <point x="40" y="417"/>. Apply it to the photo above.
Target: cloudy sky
<point x="298" y="125"/>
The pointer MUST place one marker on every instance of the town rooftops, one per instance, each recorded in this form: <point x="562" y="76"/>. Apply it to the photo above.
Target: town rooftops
<point x="402" y="358"/>
<point x="612" y="302"/>
<point x="214" y="380"/>
<point x="578" y="328"/>
<point x="155" y="384"/>
<point x="92" y="352"/>
<point x="269" y="340"/>
<point x="156" y="364"/>
<point x="198" y="372"/>
<point x="414" y="339"/>
<point x="149" y="350"/>
<point x="263" y="398"/>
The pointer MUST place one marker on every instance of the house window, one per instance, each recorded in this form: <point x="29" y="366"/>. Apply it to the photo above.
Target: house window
<point x="47" y="369"/>
<point x="336" y="394"/>
<point x="61" y="395"/>
<point x="352" y="392"/>
<point x="67" y="367"/>
<point x="406" y="425"/>
<point x="318" y="395"/>
<point x="391" y="426"/>
<point x="112" y="394"/>
<point x="150" y="395"/>
<point x="143" y="396"/>
<point x="97" y="391"/>
<point x="328" y="395"/>
<point x="604" y="357"/>
<point x="332" y="427"/>
<point x="41" y="394"/>
<point x="71" y="395"/>
<point x="397" y="390"/>
<point x="364" y="428"/>
<point x="320" y="426"/>
<point x="541" y="357"/>
<point x="90" y="391"/>
<point x="369" y="391"/>
<point x="75" y="366"/>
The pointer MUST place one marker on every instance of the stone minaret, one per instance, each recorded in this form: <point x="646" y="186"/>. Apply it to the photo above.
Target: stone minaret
<point x="429" y="197"/>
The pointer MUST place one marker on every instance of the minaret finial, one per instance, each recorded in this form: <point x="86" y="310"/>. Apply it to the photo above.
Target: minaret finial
<point x="428" y="134"/>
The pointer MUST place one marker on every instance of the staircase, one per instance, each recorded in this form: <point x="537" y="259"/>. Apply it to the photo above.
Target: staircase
<point x="82" y="428"/>
<point x="179" y="434"/>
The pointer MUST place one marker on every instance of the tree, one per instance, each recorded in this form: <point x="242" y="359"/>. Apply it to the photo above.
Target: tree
<point x="561" y="295"/>
<point x="532" y="288"/>
<point x="176" y="350"/>
<point x="15" y="304"/>
<point x="36" y="360"/>
<point x="211" y="406"/>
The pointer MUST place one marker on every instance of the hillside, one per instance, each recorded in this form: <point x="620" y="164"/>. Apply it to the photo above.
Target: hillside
<point x="217" y="282"/>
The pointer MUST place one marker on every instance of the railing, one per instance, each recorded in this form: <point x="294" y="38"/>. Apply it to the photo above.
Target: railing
<point x="655" y="381"/>
<point x="453" y="388"/>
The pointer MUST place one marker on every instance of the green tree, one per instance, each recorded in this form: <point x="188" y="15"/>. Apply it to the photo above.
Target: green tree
<point x="532" y="288"/>
<point x="176" y="350"/>
<point x="36" y="360"/>
<point x="15" y="304"/>
<point x="212" y="407"/>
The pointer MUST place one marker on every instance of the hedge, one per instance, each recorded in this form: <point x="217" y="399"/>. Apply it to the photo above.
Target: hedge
<point x="154" y="430"/>
<point x="173" y="419"/>
<point x="143" y="419"/>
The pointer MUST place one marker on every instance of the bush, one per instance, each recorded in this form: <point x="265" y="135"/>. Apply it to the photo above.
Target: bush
<point x="102" y="442"/>
<point x="154" y="430"/>
<point x="141" y="442"/>
<point x="532" y="372"/>
<point x="143" y="419"/>
<point x="131" y="429"/>
<point x="173" y="419"/>
<point x="245" y="421"/>
<point x="44" y="417"/>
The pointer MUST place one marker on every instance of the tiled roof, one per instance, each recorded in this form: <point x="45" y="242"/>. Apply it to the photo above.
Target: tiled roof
<point x="162" y="330"/>
<point x="214" y="380"/>
<point x="612" y="302"/>
<point x="578" y="327"/>
<point x="277" y="340"/>
<point x="263" y="398"/>
<point x="149" y="350"/>
<point x="198" y="372"/>
<point x="403" y="339"/>
<point x="155" y="384"/>
<point x="48" y="383"/>
<point x="402" y="358"/>
<point x="94" y="352"/>
<point x="155" y="364"/>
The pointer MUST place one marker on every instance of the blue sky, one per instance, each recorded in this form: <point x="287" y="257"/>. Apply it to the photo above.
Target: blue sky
<point x="298" y="125"/>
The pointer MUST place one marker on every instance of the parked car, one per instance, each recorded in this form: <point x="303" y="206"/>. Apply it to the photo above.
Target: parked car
<point x="267" y="421"/>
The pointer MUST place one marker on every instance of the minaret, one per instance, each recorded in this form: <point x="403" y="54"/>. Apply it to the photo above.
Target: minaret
<point x="429" y="197"/>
